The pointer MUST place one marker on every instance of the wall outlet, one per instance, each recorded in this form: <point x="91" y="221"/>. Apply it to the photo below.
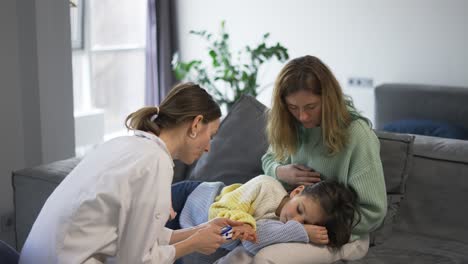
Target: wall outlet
<point x="7" y="223"/>
<point x="360" y="82"/>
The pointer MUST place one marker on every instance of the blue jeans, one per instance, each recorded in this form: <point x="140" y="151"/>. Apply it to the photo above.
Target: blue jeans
<point x="180" y="191"/>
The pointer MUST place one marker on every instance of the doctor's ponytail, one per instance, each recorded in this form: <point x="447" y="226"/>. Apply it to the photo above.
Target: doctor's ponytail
<point x="182" y="104"/>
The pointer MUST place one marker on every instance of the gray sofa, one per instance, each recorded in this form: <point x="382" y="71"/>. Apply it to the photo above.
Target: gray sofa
<point x="428" y="225"/>
<point x="426" y="179"/>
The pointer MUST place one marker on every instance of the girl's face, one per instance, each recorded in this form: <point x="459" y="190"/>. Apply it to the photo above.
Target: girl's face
<point x="306" y="107"/>
<point x="198" y="141"/>
<point x="302" y="209"/>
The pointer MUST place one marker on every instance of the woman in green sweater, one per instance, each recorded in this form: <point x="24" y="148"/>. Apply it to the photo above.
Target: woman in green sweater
<point x="316" y="133"/>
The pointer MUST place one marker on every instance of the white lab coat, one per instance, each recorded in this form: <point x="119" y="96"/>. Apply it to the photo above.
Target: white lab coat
<point x="112" y="208"/>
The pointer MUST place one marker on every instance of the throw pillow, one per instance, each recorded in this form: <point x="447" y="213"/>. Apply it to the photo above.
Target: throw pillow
<point x="427" y="128"/>
<point x="237" y="148"/>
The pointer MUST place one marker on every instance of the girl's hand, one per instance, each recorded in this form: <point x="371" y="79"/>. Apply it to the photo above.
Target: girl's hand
<point x="244" y="232"/>
<point x="317" y="234"/>
<point x="296" y="174"/>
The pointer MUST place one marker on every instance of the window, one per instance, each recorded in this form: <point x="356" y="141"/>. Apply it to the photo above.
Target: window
<point x="109" y="67"/>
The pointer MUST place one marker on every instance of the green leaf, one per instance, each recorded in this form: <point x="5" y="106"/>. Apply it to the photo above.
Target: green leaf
<point x="226" y="70"/>
<point x="214" y="58"/>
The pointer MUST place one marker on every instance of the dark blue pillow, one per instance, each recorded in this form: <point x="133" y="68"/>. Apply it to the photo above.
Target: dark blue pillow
<point x="427" y="128"/>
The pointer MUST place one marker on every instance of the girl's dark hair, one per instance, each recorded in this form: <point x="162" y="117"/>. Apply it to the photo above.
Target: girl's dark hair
<point x="183" y="103"/>
<point x="339" y="203"/>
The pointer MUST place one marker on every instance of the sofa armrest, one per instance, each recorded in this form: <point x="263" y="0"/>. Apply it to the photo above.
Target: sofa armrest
<point x="31" y="188"/>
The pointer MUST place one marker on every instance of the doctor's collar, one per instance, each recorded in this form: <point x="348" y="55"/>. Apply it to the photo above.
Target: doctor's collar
<point x="153" y="137"/>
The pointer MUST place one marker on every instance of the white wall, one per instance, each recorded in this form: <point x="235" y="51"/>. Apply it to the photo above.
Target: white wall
<point x="416" y="41"/>
<point x="36" y="95"/>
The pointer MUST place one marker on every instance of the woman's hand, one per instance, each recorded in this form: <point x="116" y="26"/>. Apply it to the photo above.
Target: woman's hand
<point x="240" y="230"/>
<point x="296" y="174"/>
<point x="222" y="222"/>
<point x="317" y="234"/>
<point x="207" y="239"/>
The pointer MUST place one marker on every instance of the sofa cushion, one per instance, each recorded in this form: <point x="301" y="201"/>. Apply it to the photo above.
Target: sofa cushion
<point x="384" y="231"/>
<point x="435" y="200"/>
<point x="237" y="148"/>
<point x="395" y="101"/>
<point x="403" y="248"/>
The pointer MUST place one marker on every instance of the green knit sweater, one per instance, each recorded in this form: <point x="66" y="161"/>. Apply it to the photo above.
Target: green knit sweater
<point x="358" y="165"/>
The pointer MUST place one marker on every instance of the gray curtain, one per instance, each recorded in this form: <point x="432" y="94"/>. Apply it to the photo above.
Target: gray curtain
<point x="160" y="46"/>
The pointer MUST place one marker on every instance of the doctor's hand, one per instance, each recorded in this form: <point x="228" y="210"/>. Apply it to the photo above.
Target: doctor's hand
<point x="222" y="222"/>
<point x="297" y="174"/>
<point x="207" y="239"/>
<point x="240" y="230"/>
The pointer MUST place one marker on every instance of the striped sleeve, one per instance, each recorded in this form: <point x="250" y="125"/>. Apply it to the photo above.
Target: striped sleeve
<point x="271" y="232"/>
<point x="237" y="204"/>
<point x="269" y="163"/>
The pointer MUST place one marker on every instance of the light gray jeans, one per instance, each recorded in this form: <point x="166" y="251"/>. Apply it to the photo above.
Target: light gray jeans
<point x="298" y="253"/>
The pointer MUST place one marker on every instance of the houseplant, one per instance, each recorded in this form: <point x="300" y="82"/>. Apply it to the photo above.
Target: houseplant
<point x="228" y="77"/>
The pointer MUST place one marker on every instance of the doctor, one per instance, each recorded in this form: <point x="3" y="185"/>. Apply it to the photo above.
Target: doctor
<point x="114" y="205"/>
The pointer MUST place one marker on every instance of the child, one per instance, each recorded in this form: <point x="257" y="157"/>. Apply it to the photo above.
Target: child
<point x="323" y="213"/>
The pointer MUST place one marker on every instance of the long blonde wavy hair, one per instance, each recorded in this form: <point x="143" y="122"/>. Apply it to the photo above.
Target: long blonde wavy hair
<point x="311" y="74"/>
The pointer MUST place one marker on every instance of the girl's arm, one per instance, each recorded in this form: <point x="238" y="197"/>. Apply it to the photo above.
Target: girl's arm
<point x="271" y="232"/>
<point x="238" y="202"/>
